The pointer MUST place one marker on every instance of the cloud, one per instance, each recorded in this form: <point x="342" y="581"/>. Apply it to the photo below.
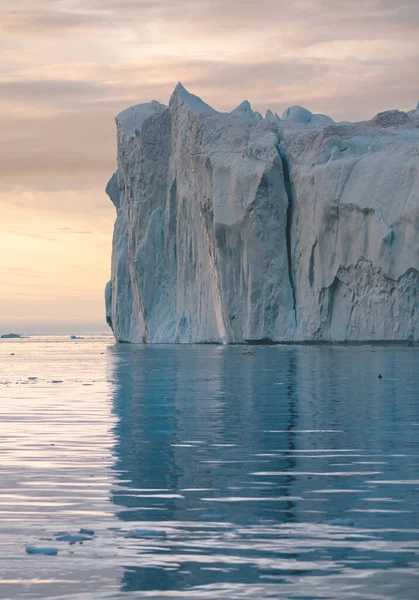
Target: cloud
<point x="63" y="130"/>
<point x="215" y="23"/>
<point x="69" y="66"/>
<point x="53" y="90"/>
<point x="46" y="18"/>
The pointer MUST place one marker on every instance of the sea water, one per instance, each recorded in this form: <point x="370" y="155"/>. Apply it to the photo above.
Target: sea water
<point x="208" y="471"/>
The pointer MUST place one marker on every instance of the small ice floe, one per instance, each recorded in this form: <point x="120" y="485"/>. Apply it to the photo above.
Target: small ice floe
<point x="84" y="531"/>
<point x="73" y="538"/>
<point x="340" y="522"/>
<point x="57" y="381"/>
<point x="141" y="533"/>
<point x="40" y="550"/>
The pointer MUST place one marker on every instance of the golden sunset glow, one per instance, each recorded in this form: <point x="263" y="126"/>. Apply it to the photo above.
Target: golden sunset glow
<point x="68" y="67"/>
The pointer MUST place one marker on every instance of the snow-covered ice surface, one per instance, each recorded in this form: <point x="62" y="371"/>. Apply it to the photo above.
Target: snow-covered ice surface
<point x="234" y="227"/>
<point x="208" y="472"/>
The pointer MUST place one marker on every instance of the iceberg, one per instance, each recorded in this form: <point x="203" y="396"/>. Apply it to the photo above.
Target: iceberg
<point x="234" y="228"/>
<point x="11" y="336"/>
<point x="245" y="110"/>
<point x="298" y="114"/>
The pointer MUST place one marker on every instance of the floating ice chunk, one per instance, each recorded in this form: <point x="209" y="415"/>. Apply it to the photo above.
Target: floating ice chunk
<point x="85" y="531"/>
<point x="73" y="538"/>
<point x="39" y="550"/>
<point x="140" y="533"/>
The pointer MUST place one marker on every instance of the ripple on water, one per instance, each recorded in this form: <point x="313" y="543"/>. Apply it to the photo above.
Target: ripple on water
<point x="187" y="472"/>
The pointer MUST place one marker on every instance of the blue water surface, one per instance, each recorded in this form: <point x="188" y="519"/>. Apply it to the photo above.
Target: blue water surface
<point x="209" y="471"/>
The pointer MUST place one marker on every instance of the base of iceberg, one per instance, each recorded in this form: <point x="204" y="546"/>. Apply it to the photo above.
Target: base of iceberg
<point x="234" y="228"/>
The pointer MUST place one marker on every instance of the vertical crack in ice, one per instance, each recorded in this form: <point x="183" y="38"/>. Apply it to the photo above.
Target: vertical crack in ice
<point x="290" y="209"/>
<point x="311" y="267"/>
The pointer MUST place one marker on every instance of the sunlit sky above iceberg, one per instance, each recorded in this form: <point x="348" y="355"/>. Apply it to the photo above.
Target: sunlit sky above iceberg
<point x="67" y="67"/>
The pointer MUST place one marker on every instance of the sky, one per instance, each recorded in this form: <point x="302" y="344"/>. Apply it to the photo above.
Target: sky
<point x="67" y="67"/>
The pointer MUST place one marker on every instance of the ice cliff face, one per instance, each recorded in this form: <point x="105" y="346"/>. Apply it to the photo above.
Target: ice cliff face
<point x="233" y="227"/>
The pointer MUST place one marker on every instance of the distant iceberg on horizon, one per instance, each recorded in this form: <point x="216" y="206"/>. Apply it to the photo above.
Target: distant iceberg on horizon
<point x="234" y="227"/>
<point x="12" y="336"/>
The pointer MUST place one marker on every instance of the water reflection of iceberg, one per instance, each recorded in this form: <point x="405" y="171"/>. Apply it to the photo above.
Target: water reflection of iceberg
<point x="195" y="418"/>
<point x="244" y="459"/>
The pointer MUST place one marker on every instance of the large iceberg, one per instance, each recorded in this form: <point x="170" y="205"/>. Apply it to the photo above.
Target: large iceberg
<point x="232" y="227"/>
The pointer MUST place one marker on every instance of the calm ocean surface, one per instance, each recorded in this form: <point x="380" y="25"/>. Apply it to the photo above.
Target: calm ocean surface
<point x="292" y="472"/>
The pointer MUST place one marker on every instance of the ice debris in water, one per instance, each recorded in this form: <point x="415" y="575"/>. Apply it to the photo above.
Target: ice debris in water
<point x="73" y="538"/>
<point x="40" y="550"/>
<point x="85" y="531"/>
<point x="140" y="533"/>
